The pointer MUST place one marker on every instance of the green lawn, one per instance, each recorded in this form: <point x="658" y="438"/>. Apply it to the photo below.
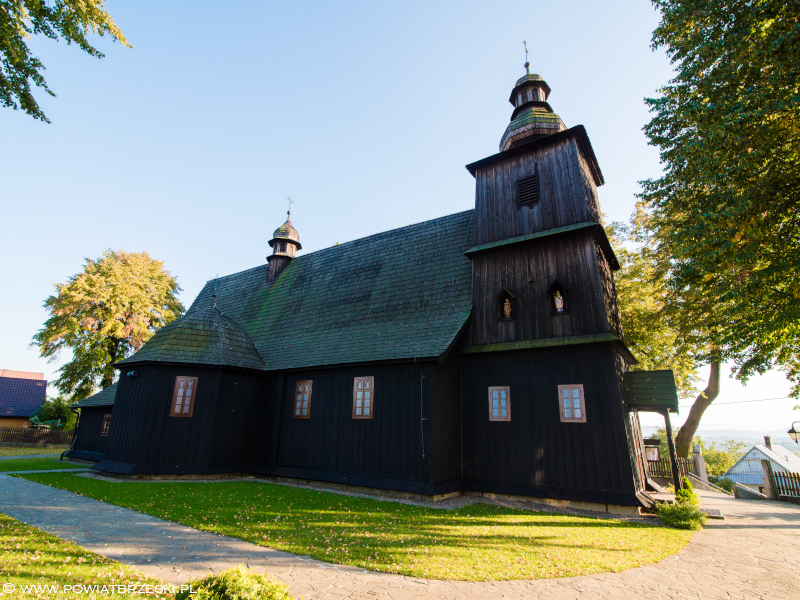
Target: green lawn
<point x="36" y="464"/>
<point x="473" y="543"/>
<point x="28" y="556"/>
<point x="19" y="451"/>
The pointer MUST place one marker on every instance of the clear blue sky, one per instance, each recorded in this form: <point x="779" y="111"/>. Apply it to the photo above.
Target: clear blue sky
<point x="365" y="113"/>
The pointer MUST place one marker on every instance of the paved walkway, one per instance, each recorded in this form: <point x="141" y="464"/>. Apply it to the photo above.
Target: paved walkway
<point x="75" y="470"/>
<point x="30" y="456"/>
<point x="753" y="554"/>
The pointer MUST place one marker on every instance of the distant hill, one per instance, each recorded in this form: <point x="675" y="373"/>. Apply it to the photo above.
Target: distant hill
<point x="751" y="438"/>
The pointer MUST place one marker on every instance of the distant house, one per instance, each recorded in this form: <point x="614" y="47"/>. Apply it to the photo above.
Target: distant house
<point x="21" y="395"/>
<point x="748" y="471"/>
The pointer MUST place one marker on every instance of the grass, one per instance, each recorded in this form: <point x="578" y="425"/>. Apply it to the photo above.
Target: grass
<point x="473" y="543"/>
<point x="28" y="556"/>
<point x="20" y="451"/>
<point x="35" y="464"/>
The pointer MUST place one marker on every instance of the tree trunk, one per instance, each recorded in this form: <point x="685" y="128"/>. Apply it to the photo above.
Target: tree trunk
<point x="683" y="442"/>
<point x="108" y="375"/>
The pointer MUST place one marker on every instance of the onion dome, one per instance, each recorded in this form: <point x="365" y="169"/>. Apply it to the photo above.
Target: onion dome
<point x="204" y="336"/>
<point x="532" y="118"/>
<point x="285" y="239"/>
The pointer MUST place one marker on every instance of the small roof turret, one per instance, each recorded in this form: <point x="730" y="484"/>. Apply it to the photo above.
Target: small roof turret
<point x="286" y="232"/>
<point x="533" y="118"/>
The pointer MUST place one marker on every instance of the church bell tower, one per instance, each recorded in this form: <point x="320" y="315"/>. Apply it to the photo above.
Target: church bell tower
<point x="542" y="264"/>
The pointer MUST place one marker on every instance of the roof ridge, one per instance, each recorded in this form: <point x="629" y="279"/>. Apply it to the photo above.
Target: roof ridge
<point x="367" y="237"/>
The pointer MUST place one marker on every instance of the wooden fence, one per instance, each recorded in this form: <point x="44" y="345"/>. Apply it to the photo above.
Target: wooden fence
<point x="26" y="435"/>
<point x="663" y="468"/>
<point x="787" y="484"/>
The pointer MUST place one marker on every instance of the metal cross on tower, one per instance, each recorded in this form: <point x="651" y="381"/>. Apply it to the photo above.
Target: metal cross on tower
<point x="290" y="204"/>
<point x="527" y="64"/>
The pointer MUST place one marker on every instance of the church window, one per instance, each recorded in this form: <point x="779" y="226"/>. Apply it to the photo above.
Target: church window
<point x="528" y="191"/>
<point x="572" y="403"/>
<point x="183" y="397"/>
<point x="106" y="425"/>
<point x="363" y="397"/>
<point x="500" y="403"/>
<point x="302" y="399"/>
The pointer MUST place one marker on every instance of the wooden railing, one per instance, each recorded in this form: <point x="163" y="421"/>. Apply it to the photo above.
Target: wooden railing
<point x="663" y="468"/>
<point x="787" y="484"/>
<point x="26" y="435"/>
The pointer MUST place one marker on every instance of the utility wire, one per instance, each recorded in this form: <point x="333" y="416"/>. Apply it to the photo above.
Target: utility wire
<point x="743" y="401"/>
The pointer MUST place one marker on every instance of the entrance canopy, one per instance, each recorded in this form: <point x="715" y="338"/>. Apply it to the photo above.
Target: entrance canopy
<point x="651" y="391"/>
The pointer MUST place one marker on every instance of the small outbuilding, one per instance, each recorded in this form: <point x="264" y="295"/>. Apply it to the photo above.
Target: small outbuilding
<point x="94" y="424"/>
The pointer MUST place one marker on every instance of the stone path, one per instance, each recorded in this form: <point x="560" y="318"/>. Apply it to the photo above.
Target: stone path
<point x="30" y="456"/>
<point x="753" y="554"/>
<point x="76" y="470"/>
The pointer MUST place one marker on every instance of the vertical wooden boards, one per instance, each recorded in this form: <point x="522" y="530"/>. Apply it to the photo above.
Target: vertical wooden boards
<point x="122" y="441"/>
<point x="87" y="437"/>
<point x="535" y="448"/>
<point x="220" y="436"/>
<point x="613" y="315"/>
<point x="527" y="271"/>
<point x="388" y="445"/>
<point x="568" y="193"/>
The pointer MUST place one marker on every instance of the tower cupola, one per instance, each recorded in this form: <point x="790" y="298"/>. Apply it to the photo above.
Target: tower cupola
<point x="532" y="118"/>
<point x="285" y="243"/>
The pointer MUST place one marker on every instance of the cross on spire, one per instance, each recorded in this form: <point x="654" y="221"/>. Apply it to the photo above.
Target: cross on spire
<point x="527" y="64"/>
<point x="289" y="212"/>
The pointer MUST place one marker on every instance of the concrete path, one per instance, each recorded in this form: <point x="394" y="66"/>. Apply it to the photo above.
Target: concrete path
<point x="30" y="456"/>
<point x="76" y="470"/>
<point x="753" y="554"/>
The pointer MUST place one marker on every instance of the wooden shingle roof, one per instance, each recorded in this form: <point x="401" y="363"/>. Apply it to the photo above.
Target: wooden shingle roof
<point x="654" y="390"/>
<point x="104" y="397"/>
<point x="205" y="336"/>
<point x="397" y="295"/>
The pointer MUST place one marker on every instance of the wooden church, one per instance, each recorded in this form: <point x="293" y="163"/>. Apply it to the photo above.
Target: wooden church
<point x="477" y="353"/>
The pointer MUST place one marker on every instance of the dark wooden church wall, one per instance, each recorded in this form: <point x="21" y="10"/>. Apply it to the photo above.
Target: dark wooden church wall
<point x="527" y="271"/>
<point x="613" y="315"/>
<point x="445" y="421"/>
<point x="535" y="448"/>
<point x="567" y="195"/>
<point x="177" y="442"/>
<point x="88" y="438"/>
<point x="122" y="441"/>
<point x="219" y="437"/>
<point x="267" y="423"/>
<point x="332" y="441"/>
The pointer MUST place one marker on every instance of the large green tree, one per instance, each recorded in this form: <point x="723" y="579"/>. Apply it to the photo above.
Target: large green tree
<point x="724" y="219"/>
<point x="105" y="313"/>
<point x="70" y="20"/>
<point x="664" y="329"/>
<point x="650" y="327"/>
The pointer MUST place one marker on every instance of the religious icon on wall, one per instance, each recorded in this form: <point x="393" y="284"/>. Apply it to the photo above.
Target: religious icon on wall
<point x="558" y="299"/>
<point x="507" y="309"/>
